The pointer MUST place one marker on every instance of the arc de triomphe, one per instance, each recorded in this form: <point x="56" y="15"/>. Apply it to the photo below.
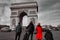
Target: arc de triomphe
<point x="21" y="9"/>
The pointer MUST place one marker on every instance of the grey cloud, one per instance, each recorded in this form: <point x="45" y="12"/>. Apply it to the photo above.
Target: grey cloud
<point x="18" y="1"/>
<point x="46" y="4"/>
<point x="52" y="17"/>
<point x="55" y="7"/>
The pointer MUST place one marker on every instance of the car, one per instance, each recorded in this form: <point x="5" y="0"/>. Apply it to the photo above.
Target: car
<point x="5" y="29"/>
<point x="55" y="29"/>
<point x="44" y="29"/>
<point x="2" y="26"/>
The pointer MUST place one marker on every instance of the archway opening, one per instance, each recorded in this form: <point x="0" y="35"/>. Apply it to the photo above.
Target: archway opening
<point x="21" y="16"/>
<point x="25" y="21"/>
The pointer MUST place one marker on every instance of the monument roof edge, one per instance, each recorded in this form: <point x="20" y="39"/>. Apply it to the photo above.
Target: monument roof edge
<point x="23" y="3"/>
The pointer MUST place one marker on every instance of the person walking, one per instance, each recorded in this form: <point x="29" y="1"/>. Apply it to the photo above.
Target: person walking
<point x="38" y="32"/>
<point x="48" y="35"/>
<point x="30" y="30"/>
<point x="18" y="31"/>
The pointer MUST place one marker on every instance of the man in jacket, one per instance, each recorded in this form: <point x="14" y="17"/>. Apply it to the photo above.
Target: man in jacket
<point x="18" y="31"/>
<point x="30" y="29"/>
<point x="48" y="35"/>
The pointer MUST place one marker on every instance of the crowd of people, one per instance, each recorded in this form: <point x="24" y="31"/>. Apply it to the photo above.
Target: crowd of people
<point x="30" y="31"/>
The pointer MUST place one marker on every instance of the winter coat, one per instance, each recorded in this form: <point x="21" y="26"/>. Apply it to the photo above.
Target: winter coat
<point x="30" y="28"/>
<point x="18" y="28"/>
<point x="48" y="35"/>
<point x="38" y="32"/>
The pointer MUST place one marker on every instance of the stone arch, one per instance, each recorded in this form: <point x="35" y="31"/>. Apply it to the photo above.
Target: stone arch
<point x="21" y="15"/>
<point x="19" y="10"/>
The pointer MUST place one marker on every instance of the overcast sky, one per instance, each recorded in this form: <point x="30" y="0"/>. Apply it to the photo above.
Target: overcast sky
<point x="49" y="11"/>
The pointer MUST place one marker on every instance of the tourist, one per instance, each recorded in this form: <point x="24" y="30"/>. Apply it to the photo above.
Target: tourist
<point x="48" y="35"/>
<point x="30" y="29"/>
<point x="38" y="32"/>
<point x="18" y="31"/>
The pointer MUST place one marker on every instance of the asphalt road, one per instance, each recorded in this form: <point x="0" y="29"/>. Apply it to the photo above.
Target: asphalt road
<point x="11" y="35"/>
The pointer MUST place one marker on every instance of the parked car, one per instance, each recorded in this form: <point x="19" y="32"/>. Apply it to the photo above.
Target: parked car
<point x="2" y="26"/>
<point x="44" y="29"/>
<point x="55" y="29"/>
<point x="5" y="29"/>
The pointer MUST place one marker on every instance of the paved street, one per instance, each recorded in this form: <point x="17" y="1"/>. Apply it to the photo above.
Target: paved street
<point x="11" y="35"/>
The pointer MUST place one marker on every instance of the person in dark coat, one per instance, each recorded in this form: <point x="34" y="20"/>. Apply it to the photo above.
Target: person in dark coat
<point x="26" y="35"/>
<point x="18" y="31"/>
<point x="30" y="29"/>
<point x="48" y="35"/>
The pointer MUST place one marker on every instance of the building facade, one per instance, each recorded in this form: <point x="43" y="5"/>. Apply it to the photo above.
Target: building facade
<point x="19" y="10"/>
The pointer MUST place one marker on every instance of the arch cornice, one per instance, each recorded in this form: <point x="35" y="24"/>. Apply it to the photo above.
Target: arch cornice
<point x="25" y="5"/>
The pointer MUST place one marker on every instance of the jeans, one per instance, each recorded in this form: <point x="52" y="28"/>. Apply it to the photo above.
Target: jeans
<point x="17" y="36"/>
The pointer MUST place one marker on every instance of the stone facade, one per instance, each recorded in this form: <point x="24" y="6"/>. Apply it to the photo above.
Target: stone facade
<point x="30" y="8"/>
